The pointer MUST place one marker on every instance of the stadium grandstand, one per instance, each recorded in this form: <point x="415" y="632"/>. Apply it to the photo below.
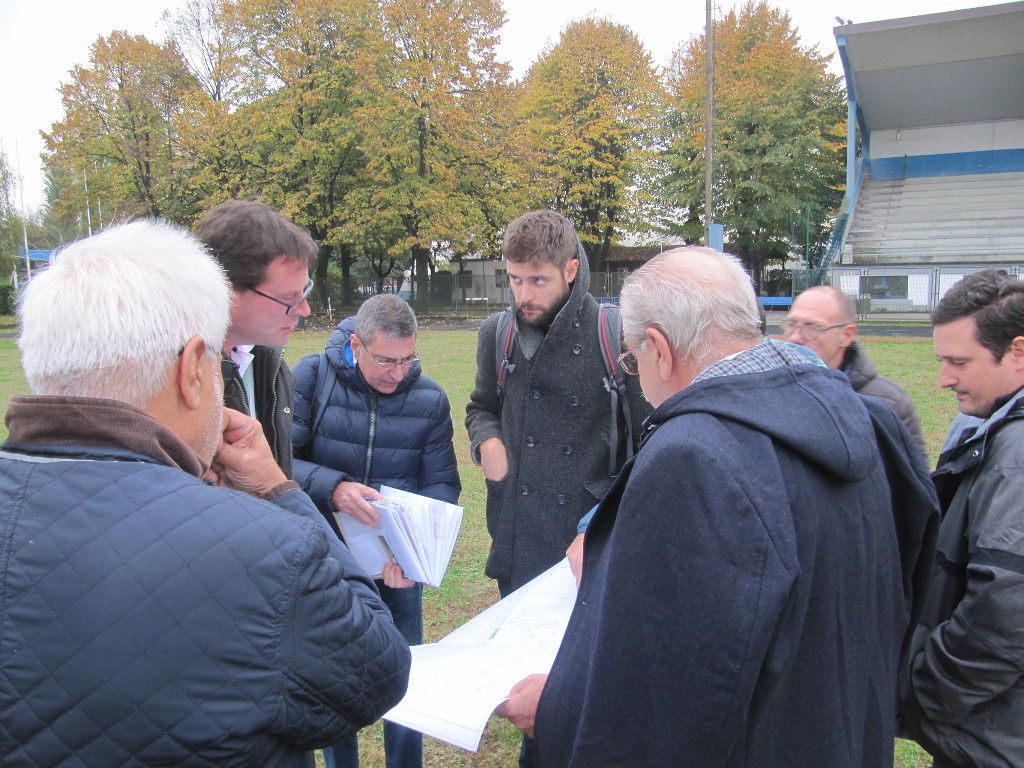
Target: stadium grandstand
<point x="935" y="158"/>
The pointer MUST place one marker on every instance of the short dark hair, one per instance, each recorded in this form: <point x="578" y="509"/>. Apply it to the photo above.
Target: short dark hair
<point x="540" y="236"/>
<point x="385" y="313"/>
<point x="995" y="301"/>
<point x="246" y="235"/>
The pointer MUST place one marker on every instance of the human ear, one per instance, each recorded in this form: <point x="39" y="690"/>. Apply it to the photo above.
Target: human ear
<point x="191" y="373"/>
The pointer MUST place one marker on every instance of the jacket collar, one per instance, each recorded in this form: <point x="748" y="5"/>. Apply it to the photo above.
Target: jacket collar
<point x="95" y="426"/>
<point x="971" y="451"/>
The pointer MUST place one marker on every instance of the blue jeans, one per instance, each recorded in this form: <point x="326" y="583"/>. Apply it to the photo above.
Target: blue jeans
<point x="403" y="748"/>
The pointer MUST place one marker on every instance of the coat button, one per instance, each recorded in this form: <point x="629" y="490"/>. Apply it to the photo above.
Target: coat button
<point x="566" y="449"/>
<point x="535" y="394"/>
<point x="524" y="490"/>
<point x="287" y="409"/>
<point x="576" y="323"/>
<point x="561" y="500"/>
<point x="530" y="442"/>
<point x="577" y="348"/>
<point x="574" y="401"/>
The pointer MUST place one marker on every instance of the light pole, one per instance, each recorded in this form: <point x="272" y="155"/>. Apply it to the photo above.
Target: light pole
<point x="709" y="119"/>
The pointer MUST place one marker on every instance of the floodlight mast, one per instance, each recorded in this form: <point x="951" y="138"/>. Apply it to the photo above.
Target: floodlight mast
<point x="709" y="119"/>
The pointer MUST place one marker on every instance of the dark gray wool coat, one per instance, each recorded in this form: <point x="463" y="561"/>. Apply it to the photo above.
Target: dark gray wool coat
<point x="554" y="421"/>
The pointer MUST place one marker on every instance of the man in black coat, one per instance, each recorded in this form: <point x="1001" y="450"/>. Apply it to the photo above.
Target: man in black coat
<point x="542" y="440"/>
<point x="267" y="259"/>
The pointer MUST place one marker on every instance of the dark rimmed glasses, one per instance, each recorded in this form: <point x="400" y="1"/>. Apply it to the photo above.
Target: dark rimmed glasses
<point x="289" y="308"/>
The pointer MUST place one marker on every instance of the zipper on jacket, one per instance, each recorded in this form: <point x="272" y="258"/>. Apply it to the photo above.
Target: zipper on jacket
<point x="273" y="405"/>
<point x="373" y="435"/>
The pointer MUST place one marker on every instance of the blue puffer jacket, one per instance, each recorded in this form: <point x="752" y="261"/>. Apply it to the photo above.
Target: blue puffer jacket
<point x="403" y="439"/>
<point x="148" y="619"/>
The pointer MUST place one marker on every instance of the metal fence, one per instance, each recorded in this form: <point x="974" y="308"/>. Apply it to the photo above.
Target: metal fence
<point x="878" y="290"/>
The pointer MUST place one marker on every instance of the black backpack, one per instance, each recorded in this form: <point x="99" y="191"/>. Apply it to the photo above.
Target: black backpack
<point x="609" y="340"/>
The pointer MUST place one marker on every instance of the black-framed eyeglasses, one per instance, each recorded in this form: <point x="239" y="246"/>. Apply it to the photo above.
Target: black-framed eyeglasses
<point x="627" y="360"/>
<point x="289" y="308"/>
<point x="809" y="331"/>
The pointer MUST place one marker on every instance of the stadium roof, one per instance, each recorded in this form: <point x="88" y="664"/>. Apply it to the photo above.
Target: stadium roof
<point x="939" y="69"/>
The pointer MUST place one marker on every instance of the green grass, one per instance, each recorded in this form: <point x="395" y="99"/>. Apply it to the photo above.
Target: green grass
<point x="449" y="357"/>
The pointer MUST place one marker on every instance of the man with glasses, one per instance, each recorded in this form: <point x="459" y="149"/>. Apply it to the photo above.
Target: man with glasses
<point x="371" y="418"/>
<point x="823" y="320"/>
<point x="742" y="602"/>
<point x="267" y="258"/>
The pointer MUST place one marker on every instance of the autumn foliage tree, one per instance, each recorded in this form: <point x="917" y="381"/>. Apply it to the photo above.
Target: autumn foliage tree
<point x="779" y="135"/>
<point x="588" y="105"/>
<point x="119" y="131"/>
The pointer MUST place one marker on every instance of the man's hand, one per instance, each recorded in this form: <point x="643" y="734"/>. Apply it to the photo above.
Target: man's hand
<point x="244" y="461"/>
<point x="351" y="498"/>
<point x="520" y="708"/>
<point x="493" y="459"/>
<point x="575" y="555"/>
<point x="394" y="577"/>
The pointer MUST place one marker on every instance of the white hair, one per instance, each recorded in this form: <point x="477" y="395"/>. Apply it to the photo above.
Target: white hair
<point x="699" y="298"/>
<point x="113" y="311"/>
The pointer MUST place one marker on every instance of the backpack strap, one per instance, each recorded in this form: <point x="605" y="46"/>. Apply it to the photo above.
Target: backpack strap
<point x="504" y="336"/>
<point x="609" y="332"/>
<point x="326" y="379"/>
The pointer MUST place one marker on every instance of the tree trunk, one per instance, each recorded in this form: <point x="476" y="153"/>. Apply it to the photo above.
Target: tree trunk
<point x="345" y="256"/>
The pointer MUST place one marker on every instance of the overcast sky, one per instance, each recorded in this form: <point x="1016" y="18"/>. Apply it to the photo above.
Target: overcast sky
<point x="40" y="40"/>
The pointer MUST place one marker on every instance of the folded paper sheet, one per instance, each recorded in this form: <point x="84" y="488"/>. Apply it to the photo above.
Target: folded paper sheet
<point x="456" y="683"/>
<point x="416" y="532"/>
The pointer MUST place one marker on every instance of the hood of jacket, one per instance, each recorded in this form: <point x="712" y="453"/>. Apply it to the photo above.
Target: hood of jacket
<point x="857" y="366"/>
<point x="810" y="410"/>
<point x="339" y="355"/>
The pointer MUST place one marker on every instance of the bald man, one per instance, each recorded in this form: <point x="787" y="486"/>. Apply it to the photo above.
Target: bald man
<point x="823" y="319"/>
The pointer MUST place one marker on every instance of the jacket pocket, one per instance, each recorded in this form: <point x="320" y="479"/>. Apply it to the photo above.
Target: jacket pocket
<point x="495" y="503"/>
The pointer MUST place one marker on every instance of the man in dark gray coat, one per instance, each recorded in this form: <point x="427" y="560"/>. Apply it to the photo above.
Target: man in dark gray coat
<point x="543" y="441"/>
<point x="963" y="689"/>
<point x="823" y="319"/>
<point x="147" y="618"/>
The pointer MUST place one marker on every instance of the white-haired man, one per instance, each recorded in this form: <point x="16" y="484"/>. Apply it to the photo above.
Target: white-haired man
<point x="148" y="618"/>
<point x="741" y="599"/>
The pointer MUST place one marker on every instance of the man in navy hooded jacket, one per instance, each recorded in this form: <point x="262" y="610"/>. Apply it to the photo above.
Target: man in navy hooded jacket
<point x="381" y="422"/>
<point x="741" y="601"/>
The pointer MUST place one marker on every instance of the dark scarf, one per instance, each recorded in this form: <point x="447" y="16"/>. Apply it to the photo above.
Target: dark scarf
<point x="43" y="423"/>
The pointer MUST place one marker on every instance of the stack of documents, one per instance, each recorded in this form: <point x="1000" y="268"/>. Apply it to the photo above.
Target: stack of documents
<point x="456" y="683"/>
<point x="416" y="532"/>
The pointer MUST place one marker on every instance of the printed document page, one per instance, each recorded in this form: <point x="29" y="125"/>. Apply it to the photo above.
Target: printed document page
<point x="456" y="683"/>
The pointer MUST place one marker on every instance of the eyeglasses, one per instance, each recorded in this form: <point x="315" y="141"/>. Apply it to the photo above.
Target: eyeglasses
<point x="809" y="331"/>
<point x="390" y="364"/>
<point x="627" y="360"/>
<point x="289" y="309"/>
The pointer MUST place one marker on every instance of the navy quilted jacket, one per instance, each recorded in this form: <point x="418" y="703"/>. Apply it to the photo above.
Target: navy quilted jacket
<point x="149" y="619"/>
<point x="403" y="439"/>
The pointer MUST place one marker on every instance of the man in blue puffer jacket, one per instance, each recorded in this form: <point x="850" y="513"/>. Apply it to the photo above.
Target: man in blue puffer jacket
<point x="147" y="618"/>
<point x="382" y="423"/>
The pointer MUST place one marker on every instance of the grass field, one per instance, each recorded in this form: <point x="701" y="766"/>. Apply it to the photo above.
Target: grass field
<point x="449" y="358"/>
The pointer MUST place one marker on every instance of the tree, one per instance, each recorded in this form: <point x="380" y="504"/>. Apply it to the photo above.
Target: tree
<point x="119" y="129"/>
<point x="435" y="151"/>
<point x="588" y="105"/>
<point x="779" y="136"/>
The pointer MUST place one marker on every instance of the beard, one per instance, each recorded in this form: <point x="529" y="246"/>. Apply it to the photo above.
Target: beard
<point x="547" y="316"/>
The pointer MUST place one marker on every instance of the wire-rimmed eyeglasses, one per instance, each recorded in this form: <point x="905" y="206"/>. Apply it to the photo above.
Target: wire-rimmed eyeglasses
<point x="390" y="364"/>
<point x="809" y="331"/>
<point x="289" y="308"/>
<point x="627" y="360"/>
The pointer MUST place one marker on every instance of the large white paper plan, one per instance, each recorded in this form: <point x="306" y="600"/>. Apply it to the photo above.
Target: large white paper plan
<point x="456" y="683"/>
<point x="416" y="532"/>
